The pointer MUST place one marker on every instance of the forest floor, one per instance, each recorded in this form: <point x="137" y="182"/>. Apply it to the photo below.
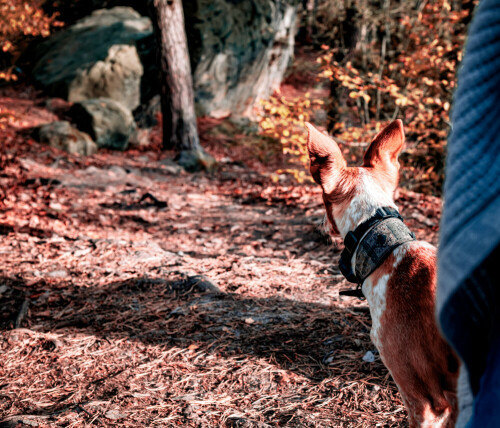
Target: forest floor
<point x="133" y="294"/>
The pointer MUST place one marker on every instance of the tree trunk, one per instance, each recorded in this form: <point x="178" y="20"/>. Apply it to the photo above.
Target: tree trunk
<point x="179" y="119"/>
<point x="349" y="35"/>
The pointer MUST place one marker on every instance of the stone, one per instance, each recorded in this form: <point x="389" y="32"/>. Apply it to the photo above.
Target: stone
<point x="196" y="160"/>
<point x="114" y="414"/>
<point x="146" y="115"/>
<point x="170" y="167"/>
<point x="96" y="57"/>
<point x="239" y="50"/>
<point x="108" y="122"/>
<point x="140" y="138"/>
<point x="61" y="135"/>
<point x="117" y="77"/>
<point x="58" y="106"/>
<point x="369" y="357"/>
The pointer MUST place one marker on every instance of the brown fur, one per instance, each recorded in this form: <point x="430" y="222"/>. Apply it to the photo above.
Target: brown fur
<point x="422" y="364"/>
<point x="426" y="371"/>
<point x="342" y="195"/>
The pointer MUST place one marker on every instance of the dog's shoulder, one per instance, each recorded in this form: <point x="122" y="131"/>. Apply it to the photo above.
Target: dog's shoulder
<point x="409" y="272"/>
<point x="414" y="270"/>
<point x="416" y="252"/>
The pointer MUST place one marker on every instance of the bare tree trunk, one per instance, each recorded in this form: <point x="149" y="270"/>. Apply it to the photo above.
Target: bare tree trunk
<point x="179" y="119"/>
<point x="349" y="36"/>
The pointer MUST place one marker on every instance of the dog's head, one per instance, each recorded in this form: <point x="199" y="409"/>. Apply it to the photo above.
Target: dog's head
<point x="352" y="194"/>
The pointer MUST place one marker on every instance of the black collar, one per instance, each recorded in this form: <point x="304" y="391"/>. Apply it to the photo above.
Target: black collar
<point x="372" y="241"/>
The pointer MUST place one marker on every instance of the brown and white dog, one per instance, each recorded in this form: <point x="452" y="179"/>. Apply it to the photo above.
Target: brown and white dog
<point x="401" y="291"/>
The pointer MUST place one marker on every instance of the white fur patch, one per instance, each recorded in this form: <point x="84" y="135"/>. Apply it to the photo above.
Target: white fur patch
<point x="376" y="296"/>
<point x="430" y="420"/>
<point x="368" y="198"/>
<point x="375" y="293"/>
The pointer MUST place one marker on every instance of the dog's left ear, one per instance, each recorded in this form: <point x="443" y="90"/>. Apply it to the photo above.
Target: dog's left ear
<point x="385" y="148"/>
<point x="327" y="161"/>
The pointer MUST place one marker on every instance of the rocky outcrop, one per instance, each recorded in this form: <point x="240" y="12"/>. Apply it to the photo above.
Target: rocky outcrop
<point x="96" y="57"/>
<point x="108" y="122"/>
<point x="117" y="77"/>
<point x="63" y="136"/>
<point x="239" y="51"/>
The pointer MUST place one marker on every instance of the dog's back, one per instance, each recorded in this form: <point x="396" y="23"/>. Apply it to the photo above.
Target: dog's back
<point x="401" y="295"/>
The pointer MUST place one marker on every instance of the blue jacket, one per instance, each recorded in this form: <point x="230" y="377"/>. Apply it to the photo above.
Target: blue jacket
<point x="467" y="306"/>
<point x="470" y="225"/>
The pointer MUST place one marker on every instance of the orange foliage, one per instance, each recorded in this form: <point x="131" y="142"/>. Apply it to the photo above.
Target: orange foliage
<point x="417" y="82"/>
<point x="6" y="117"/>
<point x="18" y="20"/>
<point x="284" y="120"/>
<point x="403" y="66"/>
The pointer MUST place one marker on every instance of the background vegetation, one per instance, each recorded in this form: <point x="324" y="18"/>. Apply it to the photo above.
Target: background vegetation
<point x="381" y="60"/>
<point x="384" y="60"/>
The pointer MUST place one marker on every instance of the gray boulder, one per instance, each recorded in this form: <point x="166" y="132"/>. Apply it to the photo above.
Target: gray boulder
<point x="240" y="50"/>
<point x="140" y="138"/>
<point x="96" y="57"/>
<point x="63" y="136"/>
<point x="108" y="122"/>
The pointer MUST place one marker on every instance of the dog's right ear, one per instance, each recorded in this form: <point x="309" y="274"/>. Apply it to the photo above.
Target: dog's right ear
<point x="327" y="161"/>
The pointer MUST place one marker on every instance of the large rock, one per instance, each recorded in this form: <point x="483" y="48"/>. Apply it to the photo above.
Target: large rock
<point x="196" y="160"/>
<point x="63" y="136"/>
<point x="108" y="122"/>
<point x="117" y="77"/>
<point x="96" y="57"/>
<point x="239" y="49"/>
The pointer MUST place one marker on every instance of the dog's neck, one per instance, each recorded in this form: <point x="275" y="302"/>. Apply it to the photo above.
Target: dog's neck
<point x="369" y="197"/>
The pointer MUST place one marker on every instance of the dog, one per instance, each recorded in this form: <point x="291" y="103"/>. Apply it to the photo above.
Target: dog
<point x="395" y="272"/>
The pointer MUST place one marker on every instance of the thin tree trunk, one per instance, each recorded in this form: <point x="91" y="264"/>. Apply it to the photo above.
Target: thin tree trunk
<point x="349" y="36"/>
<point x="179" y="119"/>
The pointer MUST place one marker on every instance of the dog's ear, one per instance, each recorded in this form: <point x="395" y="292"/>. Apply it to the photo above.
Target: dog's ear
<point x="327" y="161"/>
<point x="385" y="148"/>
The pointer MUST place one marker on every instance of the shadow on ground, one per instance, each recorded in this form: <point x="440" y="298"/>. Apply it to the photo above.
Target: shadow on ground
<point x="186" y="311"/>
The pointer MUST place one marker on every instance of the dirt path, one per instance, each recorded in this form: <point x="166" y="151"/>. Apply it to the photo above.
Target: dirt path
<point x="133" y="294"/>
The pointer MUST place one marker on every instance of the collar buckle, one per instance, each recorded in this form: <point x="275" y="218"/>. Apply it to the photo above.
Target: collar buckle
<point x="350" y="242"/>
